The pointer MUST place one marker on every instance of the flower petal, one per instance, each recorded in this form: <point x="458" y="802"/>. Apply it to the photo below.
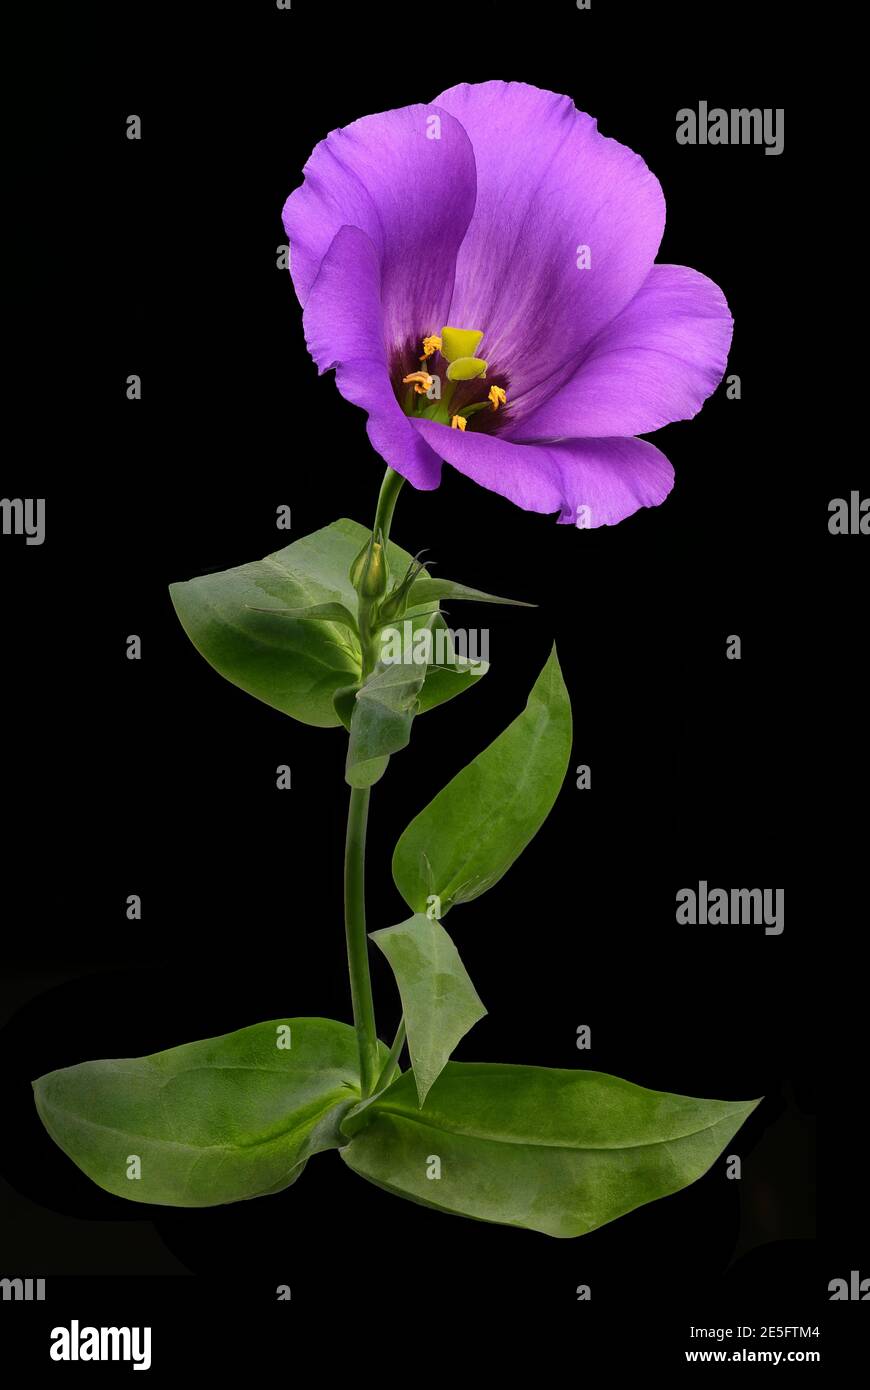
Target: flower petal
<point x="411" y="194"/>
<point x="547" y="184"/>
<point x="608" y="479"/>
<point x="657" y="362"/>
<point x="343" y="325"/>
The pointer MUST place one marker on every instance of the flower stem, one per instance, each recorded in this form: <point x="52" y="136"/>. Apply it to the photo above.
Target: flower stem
<point x="390" y="489"/>
<point x="355" y="854"/>
<point x="357" y="942"/>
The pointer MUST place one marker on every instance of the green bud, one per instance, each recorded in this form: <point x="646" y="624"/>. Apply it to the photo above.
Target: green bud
<point x="369" y="574"/>
<point x="393" y="607"/>
<point x="396" y="602"/>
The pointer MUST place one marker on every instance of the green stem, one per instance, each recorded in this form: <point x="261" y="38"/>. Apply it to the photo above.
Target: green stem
<point x="390" y="489"/>
<point x="391" y="1066"/>
<point x="357" y="941"/>
<point x="355" y="848"/>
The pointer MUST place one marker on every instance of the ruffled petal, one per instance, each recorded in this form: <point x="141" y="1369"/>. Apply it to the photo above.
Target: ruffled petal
<point x="547" y="184"/>
<point x="343" y="329"/>
<point x="658" y="361"/>
<point x="412" y="195"/>
<point x="590" y="482"/>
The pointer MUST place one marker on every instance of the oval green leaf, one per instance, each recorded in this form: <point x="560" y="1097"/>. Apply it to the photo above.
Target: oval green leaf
<point x="561" y="1152"/>
<point x="210" y="1122"/>
<point x="467" y="838"/>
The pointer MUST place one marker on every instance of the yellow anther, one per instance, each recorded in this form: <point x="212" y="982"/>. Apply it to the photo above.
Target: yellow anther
<point x="497" y="396"/>
<point x="430" y="345"/>
<point x="458" y="422"/>
<point x="422" y="381"/>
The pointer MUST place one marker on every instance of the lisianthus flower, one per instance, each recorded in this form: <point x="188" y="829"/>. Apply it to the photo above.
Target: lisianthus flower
<point x="480" y="274"/>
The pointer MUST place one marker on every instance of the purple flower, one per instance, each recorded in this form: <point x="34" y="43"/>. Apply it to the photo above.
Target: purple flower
<point x="479" y="273"/>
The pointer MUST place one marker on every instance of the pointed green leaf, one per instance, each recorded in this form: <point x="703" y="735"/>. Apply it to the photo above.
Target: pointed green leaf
<point x="210" y="1122"/>
<point x="440" y="1003"/>
<point x="426" y="589"/>
<point x="475" y="828"/>
<point x="561" y="1152"/>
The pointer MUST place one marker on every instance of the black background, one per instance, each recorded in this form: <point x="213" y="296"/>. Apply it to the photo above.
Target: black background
<point x="158" y="778"/>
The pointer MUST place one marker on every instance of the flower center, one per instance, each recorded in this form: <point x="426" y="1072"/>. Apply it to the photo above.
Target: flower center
<point x="452" y="387"/>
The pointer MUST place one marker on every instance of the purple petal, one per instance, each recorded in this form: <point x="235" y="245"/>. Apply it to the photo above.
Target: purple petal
<point x="547" y="183"/>
<point x="657" y="362"/>
<point x="412" y="195"/>
<point x="608" y="478"/>
<point x="343" y="325"/>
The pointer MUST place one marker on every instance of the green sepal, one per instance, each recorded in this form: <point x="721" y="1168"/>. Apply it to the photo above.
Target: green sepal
<point x="428" y="590"/>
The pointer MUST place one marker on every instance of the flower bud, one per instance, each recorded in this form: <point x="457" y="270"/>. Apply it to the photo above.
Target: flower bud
<point x="369" y="574"/>
<point x="396" y="602"/>
<point x="393" y="607"/>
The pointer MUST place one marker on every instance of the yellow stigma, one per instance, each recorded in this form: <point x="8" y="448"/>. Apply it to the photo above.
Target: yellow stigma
<point x="422" y="381"/>
<point x="458" y="422"/>
<point x="466" y="369"/>
<point x="497" y="396"/>
<point x="430" y="345"/>
<point x="459" y="342"/>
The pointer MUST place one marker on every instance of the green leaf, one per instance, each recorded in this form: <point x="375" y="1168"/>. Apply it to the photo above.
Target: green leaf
<point x="293" y="664"/>
<point x="466" y="839"/>
<point x="440" y="1003"/>
<point x="211" y="1122"/>
<point x="426" y="589"/>
<point x="317" y="612"/>
<point x="258" y="624"/>
<point x="384" y="712"/>
<point x="344" y="703"/>
<point x="561" y="1152"/>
